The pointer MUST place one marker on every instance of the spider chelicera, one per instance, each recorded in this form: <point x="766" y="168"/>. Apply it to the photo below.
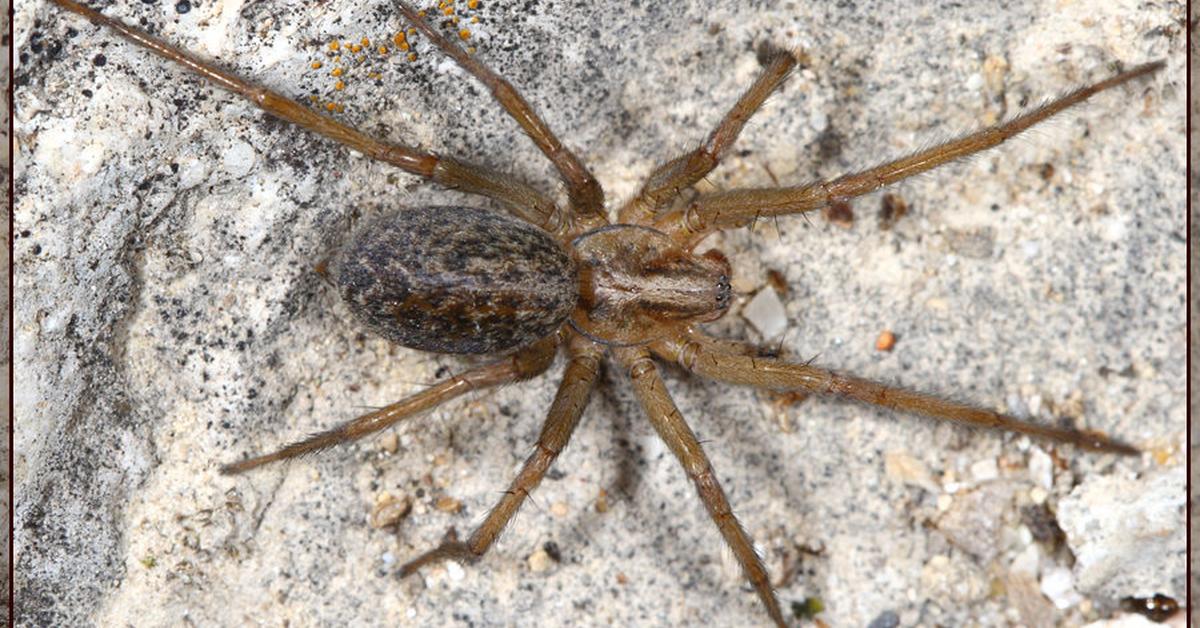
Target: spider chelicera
<point x="548" y="276"/>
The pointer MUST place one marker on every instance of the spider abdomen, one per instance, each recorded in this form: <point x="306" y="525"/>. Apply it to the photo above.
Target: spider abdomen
<point x="456" y="280"/>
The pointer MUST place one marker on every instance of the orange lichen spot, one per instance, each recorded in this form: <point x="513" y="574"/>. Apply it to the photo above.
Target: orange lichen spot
<point x="316" y="65"/>
<point x="330" y="106"/>
<point x="412" y="56"/>
<point x="464" y="34"/>
<point x="340" y="107"/>
<point x="448" y="10"/>
<point x="472" y="4"/>
<point x="421" y="13"/>
<point x="399" y="38"/>
<point x="366" y="42"/>
<point x="403" y="46"/>
<point x="336" y="72"/>
<point x="412" y="31"/>
<point x="454" y="20"/>
<point x="355" y="48"/>
<point x="313" y="98"/>
<point x="474" y="19"/>
<point x="383" y="50"/>
<point x="334" y="45"/>
<point x="340" y="85"/>
<point x="885" y="341"/>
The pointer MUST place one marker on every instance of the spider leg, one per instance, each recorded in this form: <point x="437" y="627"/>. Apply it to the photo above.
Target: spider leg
<point x="520" y="199"/>
<point x="674" y="430"/>
<point x="584" y="192"/>
<point x="701" y="355"/>
<point x="736" y="208"/>
<point x="669" y="179"/>
<point x="519" y="366"/>
<point x="569" y="402"/>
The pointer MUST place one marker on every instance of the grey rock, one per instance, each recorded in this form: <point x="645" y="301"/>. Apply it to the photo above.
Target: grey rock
<point x="1128" y="535"/>
<point x="167" y="319"/>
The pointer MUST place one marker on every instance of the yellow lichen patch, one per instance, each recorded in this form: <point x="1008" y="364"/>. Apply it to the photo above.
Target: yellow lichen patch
<point x="412" y="56"/>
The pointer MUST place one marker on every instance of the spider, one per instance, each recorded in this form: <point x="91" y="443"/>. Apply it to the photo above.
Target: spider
<point x="632" y="290"/>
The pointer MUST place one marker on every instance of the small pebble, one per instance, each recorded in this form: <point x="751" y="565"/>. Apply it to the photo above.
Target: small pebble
<point x="559" y="509"/>
<point x="539" y="561"/>
<point x="390" y="510"/>
<point x="985" y="470"/>
<point x="886" y="619"/>
<point x="1041" y="468"/>
<point x="766" y="313"/>
<point x="904" y="467"/>
<point x="390" y="442"/>
<point x="1058" y="584"/>
<point x="445" y="503"/>
<point x="602" y="502"/>
<point x="886" y="341"/>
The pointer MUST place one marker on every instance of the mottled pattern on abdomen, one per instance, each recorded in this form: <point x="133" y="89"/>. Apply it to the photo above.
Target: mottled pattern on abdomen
<point x="456" y="280"/>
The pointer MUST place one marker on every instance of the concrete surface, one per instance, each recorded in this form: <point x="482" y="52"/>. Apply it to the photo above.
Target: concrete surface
<point x="168" y="319"/>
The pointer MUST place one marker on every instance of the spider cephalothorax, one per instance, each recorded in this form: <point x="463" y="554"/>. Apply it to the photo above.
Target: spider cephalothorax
<point x="548" y="275"/>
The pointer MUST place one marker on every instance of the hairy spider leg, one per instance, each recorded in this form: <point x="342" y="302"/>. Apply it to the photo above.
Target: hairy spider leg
<point x="578" y="379"/>
<point x="519" y="366"/>
<point x="701" y="355"/>
<point x="674" y="430"/>
<point x="583" y="191"/>
<point x="668" y="180"/>
<point x="736" y="208"/>
<point x="520" y="199"/>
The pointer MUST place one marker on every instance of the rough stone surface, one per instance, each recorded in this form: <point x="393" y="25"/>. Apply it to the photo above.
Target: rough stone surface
<point x="168" y="318"/>
<point x="6" y="317"/>
<point x="1194" y="307"/>
<point x="1127" y="534"/>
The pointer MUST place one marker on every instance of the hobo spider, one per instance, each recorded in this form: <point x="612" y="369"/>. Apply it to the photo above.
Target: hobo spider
<point x="598" y="327"/>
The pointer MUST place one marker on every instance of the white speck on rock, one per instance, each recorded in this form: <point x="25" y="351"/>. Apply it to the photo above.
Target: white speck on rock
<point x="1041" y="468"/>
<point x="455" y="571"/>
<point x="765" y="312"/>
<point x="985" y="470"/>
<point x="1128" y="534"/>
<point x="1058" y="584"/>
<point x="239" y="159"/>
